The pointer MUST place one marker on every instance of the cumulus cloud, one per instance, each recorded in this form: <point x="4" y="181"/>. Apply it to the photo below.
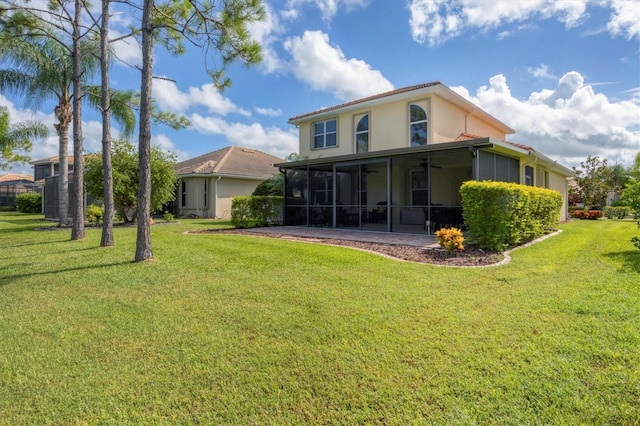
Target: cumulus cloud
<point x="567" y="122"/>
<point x="170" y="98"/>
<point x="625" y="19"/>
<point x="435" y="21"/>
<point x="324" y="67"/>
<point x="267" y="33"/>
<point x="273" y="140"/>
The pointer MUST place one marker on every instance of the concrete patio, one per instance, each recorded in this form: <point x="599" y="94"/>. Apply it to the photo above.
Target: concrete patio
<point x="415" y="240"/>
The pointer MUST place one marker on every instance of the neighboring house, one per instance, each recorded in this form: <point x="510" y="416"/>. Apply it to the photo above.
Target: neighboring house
<point x="395" y="161"/>
<point x="45" y="174"/>
<point x="12" y="184"/>
<point x="208" y="183"/>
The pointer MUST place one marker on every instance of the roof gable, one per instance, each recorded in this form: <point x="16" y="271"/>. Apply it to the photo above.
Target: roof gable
<point x="424" y="89"/>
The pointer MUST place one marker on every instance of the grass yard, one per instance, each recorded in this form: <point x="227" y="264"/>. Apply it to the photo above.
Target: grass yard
<point x="229" y="329"/>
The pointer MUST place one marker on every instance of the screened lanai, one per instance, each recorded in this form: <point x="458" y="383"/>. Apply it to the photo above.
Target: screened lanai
<point x="414" y="190"/>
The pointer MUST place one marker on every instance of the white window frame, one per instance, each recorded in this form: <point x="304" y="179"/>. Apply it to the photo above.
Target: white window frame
<point x="324" y="134"/>
<point x="362" y="132"/>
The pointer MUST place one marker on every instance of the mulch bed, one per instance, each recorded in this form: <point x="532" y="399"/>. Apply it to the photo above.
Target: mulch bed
<point x="471" y="256"/>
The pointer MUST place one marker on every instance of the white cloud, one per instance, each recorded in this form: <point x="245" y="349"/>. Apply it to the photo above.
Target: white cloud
<point x="625" y="19"/>
<point x="273" y="140"/>
<point x="266" y="33"/>
<point x="165" y="143"/>
<point x="541" y="72"/>
<point x="567" y="123"/>
<point x="328" y="8"/>
<point x="325" y="67"/>
<point x="170" y="98"/>
<point x="435" y="21"/>
<point x="269" y="112"/>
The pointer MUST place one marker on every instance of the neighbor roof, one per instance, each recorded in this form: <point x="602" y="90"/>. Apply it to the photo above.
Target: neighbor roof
<point x="404" y="93"/>
<point x="231" y="161"/>
<point x="15" y="176"/>
<point x="49" y="160"/>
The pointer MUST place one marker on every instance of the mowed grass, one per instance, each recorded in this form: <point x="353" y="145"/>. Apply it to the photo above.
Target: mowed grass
<point x="229" y="329"/>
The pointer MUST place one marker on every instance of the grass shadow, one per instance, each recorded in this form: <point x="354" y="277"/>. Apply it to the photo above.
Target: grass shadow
<point x="6" y="280"/>
<point x="629" y="260"/>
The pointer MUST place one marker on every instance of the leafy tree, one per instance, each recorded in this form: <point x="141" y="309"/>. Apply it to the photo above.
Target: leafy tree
<point x="270" y="187"/>
<point x="17" y="138"/>
<point x="631" y="196"/>
<point x="593" y="179"/>
<point x="126" y="177"/>
<point x="635" y="167"/>
<point x="220" y="28"/>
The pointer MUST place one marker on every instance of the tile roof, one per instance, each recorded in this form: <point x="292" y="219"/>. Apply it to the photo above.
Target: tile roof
<point x="467" y="137"/>
<point x="232" y="160"/>
<point x="15" y="176"/>
<point x="367" y="99"/>
<point x="55" y="160"/>
<point x="519" y="145"/>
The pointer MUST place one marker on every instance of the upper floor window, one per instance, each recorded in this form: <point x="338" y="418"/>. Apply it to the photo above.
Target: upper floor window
<point x="325" y="134"/>
<point x="418" y="125"/>
<point x="362" y="134"/>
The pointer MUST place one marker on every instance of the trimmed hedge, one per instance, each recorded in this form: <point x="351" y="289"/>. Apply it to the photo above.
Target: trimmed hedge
<point x="256" y="211"/>
<point x="501" y="214"/>
<point x="29" y="202"/>
<point x="616" y="212"/>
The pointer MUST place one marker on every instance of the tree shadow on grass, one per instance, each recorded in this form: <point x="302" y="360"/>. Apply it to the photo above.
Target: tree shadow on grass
<point x="10" y="279"/>
<point x="629" y="260"/>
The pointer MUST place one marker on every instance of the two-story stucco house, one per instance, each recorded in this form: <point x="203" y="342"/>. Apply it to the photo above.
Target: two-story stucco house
<point x="395" y="161"/>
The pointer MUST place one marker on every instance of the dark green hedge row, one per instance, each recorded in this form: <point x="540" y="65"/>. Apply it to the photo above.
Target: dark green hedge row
<point x="256" y="211"/>
<point x="29" y="202"/>
<point x="500" y="214"/>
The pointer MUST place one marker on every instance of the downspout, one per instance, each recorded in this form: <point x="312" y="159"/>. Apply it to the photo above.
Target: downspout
<point x="215" y="198"/>
<point x="466" y="123"/>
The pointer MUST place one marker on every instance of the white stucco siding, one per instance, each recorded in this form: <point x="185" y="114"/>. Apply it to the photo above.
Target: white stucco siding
<point x="389" y="126"/>
<point x="559" y="183"/>
<point x="229" y="188"/>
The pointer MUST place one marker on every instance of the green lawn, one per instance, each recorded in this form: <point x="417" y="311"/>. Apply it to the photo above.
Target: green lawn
<point x="229" y="329"/>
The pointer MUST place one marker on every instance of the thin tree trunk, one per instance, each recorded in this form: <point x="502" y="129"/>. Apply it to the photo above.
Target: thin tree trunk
<point x="107" y="169"/>
<point x="64" y="115"/>
<point x="77" y="208"/>
<point x="143" y="241"/>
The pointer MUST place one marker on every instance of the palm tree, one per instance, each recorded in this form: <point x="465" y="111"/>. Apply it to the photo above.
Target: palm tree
<point x="17" y="137"/>
<point x="43" y="70"/>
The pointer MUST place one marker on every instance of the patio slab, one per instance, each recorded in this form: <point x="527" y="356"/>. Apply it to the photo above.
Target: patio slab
<point x="414" y="240"/>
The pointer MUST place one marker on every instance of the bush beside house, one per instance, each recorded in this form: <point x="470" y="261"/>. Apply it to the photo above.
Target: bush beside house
<point x="256" y="211"/>
<point x="500" y="214"/>
<point x="29" y="202"/>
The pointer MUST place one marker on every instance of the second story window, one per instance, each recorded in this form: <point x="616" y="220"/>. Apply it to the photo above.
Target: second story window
<point x="325" y="134"/>
<point x="362" y="134"/>
<point x="418" y="125"/>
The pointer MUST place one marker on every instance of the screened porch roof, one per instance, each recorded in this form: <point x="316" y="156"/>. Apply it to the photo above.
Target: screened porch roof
<point x="504" y="147"/>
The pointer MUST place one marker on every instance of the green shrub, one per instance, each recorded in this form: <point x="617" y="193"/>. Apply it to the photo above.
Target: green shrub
<point x="29" y="202"/>
<point x="636" y="242"/>
<point x="94" y="213"/>
<point x="613" y="212"/>
<point x="169" y="217"/>
<point x="500" y="214"/>
<point x="256" y="211"/>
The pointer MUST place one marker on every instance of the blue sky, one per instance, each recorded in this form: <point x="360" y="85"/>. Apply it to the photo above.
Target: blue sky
<point x="564" y="75"/>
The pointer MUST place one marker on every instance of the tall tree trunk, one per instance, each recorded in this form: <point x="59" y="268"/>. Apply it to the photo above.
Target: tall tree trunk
<point x="143" y="241"/>
<point x="77" y="208"/>
<point x="64" y="115"/>
<point x="107" y="168"/>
